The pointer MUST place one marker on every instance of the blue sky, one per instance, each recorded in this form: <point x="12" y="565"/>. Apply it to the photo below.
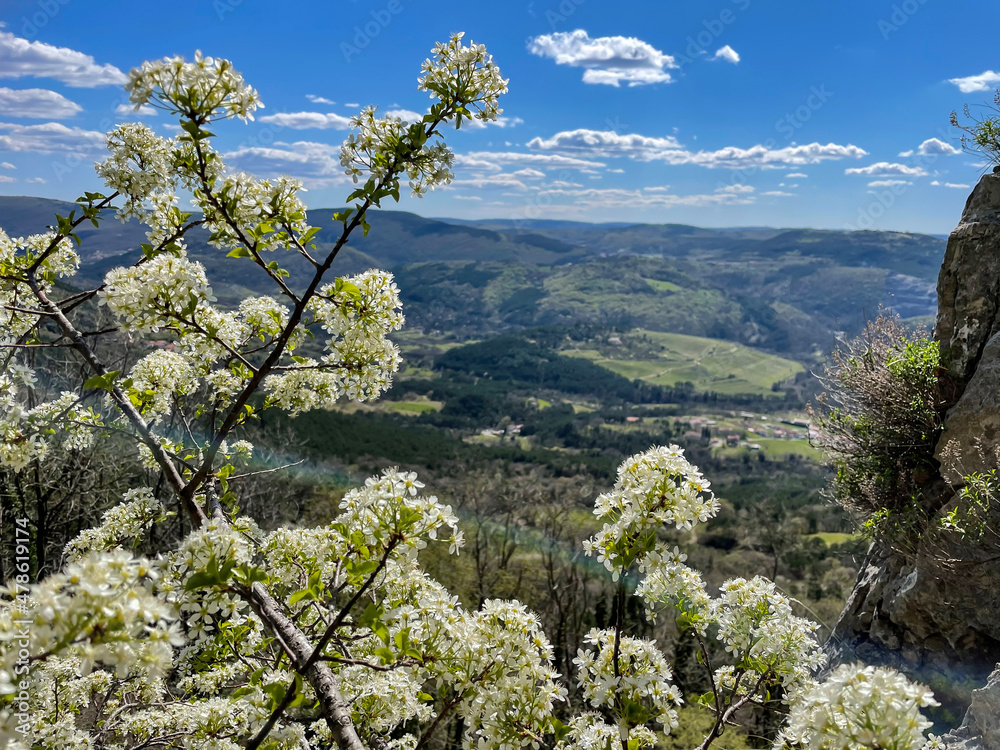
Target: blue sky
<point x="722" y="113"/>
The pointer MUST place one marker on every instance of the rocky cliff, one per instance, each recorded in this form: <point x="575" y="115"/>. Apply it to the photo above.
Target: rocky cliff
<point x="934" y="611"/>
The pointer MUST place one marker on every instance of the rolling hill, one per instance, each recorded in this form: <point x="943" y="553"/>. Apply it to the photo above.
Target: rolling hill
<point x="784" y="290"/>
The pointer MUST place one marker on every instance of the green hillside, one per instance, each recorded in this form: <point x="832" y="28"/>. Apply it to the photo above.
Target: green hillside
<point x="785" y="291"/>
<point x="708" y="364"/>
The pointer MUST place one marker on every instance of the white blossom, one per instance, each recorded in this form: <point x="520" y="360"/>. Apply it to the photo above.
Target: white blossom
<point x="873" y="708"/>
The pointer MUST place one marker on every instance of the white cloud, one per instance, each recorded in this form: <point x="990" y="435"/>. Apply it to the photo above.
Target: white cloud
<point x="957" y="185"/>
<point x="608" y="60"/>
<point x="37" y="104"/>
<point x="319" y="99"/>
<point x="799" y="175"/>
<point x="985" y="81"/>
<point x="528" y="174"/>
<point x="316" y="164"/>
<point x="888" y="183"/>
<point x="654" y="197"/>
<point x="494" y="161"/>
<point x="466" y="197"/>
<point x="6" y="178"/>
<point x="124" y="110"/>
<point x="352" y="105"/>
<point x="604" y="143"/>
<point x="7" y="165"/>
<point x="643" y="148"/>
<point x="887" y="169"/>
<point x="504" y="180"/>
<point x="728" y="54"/>
<point x="736" y="189"/>
<point x="36" y="180"/>
<point x="49" y="137"/>
<point x="932" y="147"/>
<point x="500" y="122"/>
<point x="407" y="115"/>
<point x="21" y="58"/>
<point x="778" y="194"/>
<point x="308" y="120"/>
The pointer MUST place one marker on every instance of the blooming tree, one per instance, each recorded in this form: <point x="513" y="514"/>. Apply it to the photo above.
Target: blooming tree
<point x="237" y="637"/>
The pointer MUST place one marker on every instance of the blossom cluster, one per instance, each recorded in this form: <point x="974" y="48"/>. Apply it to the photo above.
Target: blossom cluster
<point x="770" y="644"/>
<point x="655" y="489"/>
<point x="48" y="259"/>
<point x="467" y="74"/>
<point x="141" y="168"/>
<point x="372" y="149"/>
<point x="859" y="707"/>
<point x="358" y="312"/>
<point x="138" y="511"/>
<point x="255" y="213"/>
<point x="100" y="610"/>
<point x="637" y="688"/>
<point x="145" y="297"/>
<point x="26" y="434"/>
<point x="207" y="88"/>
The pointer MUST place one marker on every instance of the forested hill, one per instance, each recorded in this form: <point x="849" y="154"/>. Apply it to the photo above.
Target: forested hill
<point x="783" y="290"/>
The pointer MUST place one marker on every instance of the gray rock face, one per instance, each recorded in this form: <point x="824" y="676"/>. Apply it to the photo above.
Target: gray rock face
<point x="969" y="283"/>
<point x="981" y="728"/>
<point x="937" y="623"/>
<point x="972" y="426"/>
<point x="935" y="620"/>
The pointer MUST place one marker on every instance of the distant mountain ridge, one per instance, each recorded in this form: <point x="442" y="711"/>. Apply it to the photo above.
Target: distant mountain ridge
<point x="785" y="290"/>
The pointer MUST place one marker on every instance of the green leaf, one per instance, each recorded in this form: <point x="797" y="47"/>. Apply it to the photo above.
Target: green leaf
<point x="105" y="382"/>
<point x="239" y="252"/>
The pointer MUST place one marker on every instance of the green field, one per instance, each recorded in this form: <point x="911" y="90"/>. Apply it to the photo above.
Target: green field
<point x="414" y="407"/>
<point x="709" y="364"/>
<point x="831" y="537"/>
<point x="778" y="449"/>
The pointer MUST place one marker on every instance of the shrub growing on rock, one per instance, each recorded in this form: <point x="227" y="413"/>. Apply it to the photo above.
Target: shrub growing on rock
<point x="881" y="420"/>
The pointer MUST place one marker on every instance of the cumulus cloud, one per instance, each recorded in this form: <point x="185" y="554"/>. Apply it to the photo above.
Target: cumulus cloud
<point x="125" y="110"/>
<point x="39" y="104"/>
<point x="887" y="169"/>
<point x="48" y="138"/>
<point x="654" y="197"/>
<point x="505" y="180"/>
<point x="736" y="189"/>
<point x="20" y="58"/>
<point x="494" y="161"/>
<point x="316" y="164"/>
<point x="778" y="194"/>
<point x="319" y="99"/>
<point x="6" y="165"/>
<point x="500" y="122"/>
<point x="406" y="115"/>
<point x="799" y="175"/>
<point x="667" y="149"/>
<point x="728" y="54"/>
<point x="985" y="81"/>
<point x="604" y="143"/>
<point x="608" y="60"/>
<point x="36" y="180"/>
<point x="932" y="147"/>
<point x="308" y="120"/>
<point x="957" y="185"/>
<point x="6" y="178"/>
<point x="888" y="183"/>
